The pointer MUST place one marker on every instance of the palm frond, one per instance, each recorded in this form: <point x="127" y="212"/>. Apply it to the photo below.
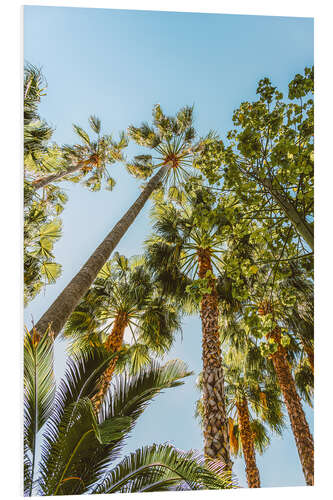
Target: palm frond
<point x="39" y="385"/>
<point x="161" y="468"/>
<point x="82" y="134"/>
<point x="95" y="124"/>
<point x="129" y="396"/>
<point x="72" y="423"/>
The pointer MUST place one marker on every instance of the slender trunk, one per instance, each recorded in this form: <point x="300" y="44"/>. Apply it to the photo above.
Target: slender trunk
<point x="299" y="425"/>
<point x="44" y="181"/>
<point x="216" y="438"/>
<point x="301" y="225"/>
<point x="252" y="472"/>
<point x="58" y="313"/>
<point x="113" y="344"/>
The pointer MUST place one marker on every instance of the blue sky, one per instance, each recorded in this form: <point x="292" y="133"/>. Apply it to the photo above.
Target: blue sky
<point x="118" y="64"/>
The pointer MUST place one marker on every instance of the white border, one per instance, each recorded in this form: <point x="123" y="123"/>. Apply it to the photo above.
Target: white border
<point x="11" y="209"/>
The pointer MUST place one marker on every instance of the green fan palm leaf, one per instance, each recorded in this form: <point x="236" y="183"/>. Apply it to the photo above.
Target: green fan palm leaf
<point x="39" y="393"/>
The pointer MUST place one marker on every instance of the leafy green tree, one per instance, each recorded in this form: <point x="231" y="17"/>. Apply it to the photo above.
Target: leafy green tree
<point x="172" y="138"/>
<point x="269" y="158"/>
<point x="123" y="297"/>
<point x="78" y="450"/>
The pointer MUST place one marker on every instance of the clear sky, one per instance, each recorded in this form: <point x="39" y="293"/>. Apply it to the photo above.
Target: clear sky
<point x="117" y="64"/>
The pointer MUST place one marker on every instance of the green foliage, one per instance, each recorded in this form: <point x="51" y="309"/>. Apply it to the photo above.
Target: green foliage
<point x="39" y="390"/>
<point x="172" y="140"/>
<point x="78" y="449"/>
<point x="125" y="286"/>
<point x="42" y="228"/>
<point x="41" y="225"/>
<point x="180" y="233"/>
<point x="94" y="156"/>
<point x="268" y="163"/>
<point x="199" y="287"/>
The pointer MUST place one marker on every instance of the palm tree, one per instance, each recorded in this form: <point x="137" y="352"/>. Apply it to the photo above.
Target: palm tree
<point x="187" y="245"/>
<point x="172" y="139"/>
<point x="299" y="425"/>
<point x="91" y="156"/>
<point x="266" y="317"/>
<point x="36" y="131"/>
<point x="244" y="389"/>
<point x="122" y="297"/>
<point x="78" y="449"/>
<point x="253" y="406"/>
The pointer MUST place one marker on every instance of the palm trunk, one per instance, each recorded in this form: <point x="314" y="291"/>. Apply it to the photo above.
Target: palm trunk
<point x="252" y="472"/>
<point x="44" y="181"/>
<point x="216" y="438"/>
<point x="301" y="225"/>
<point x="299" y="425"/>
<point x="58" y="313"/>
<point x="113" y="344"/>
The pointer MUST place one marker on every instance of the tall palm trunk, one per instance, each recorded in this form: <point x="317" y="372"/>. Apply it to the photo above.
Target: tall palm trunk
<point x="58" y="313"/>
<point x="113" y="344"/>
<point x="44" y="181"/>
<point x="216" y="439"/>
<point x="299" y="425"/>
<point x="252" y="472"/>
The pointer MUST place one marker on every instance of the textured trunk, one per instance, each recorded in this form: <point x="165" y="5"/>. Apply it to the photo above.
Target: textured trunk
<point x="113" y="344"/>
<point x="44" y="181"/>
<point x="216" y="439"/>
<point x="299" y="425"/>
<point x="252" y="472"/>
<point x="301" y="225"/>
<point x="58" y="313"/>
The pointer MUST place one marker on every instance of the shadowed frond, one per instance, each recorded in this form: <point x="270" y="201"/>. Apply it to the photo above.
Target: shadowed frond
<point x="39" y="391"/>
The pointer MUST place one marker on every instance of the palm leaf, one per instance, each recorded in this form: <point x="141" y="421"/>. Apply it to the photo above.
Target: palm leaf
<point x="82" y="134"/>
<point x="39" y="383"/>
<point x="39" y="389"/>
<point x="160" y="468"/>
<point x="95" y="124"/>
<point x="130" y="395"/>
<point x="72" y="423"/>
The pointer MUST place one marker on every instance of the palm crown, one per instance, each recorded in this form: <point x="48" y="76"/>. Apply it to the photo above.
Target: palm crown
<point x="172" y="140"/>
<point x="182" y="236"/>
<point x="93" y="156"/>
<point x="125" y="288"/>
<point x="36" y="131"/>
<point x="123" y="297"/>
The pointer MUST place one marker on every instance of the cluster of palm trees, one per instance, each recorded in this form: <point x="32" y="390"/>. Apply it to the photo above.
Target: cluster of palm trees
<point x="121" y="313"/>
